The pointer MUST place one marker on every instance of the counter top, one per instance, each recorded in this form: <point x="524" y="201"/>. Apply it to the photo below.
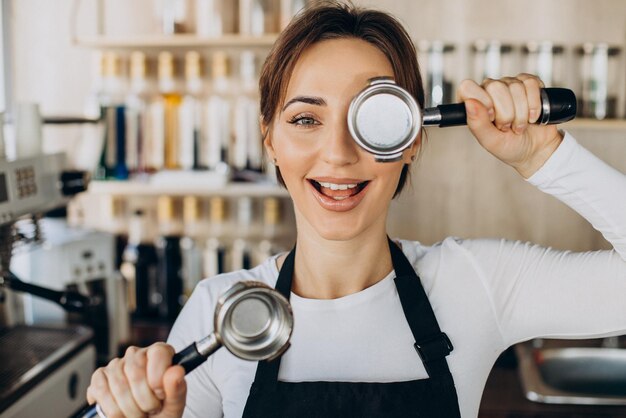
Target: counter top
<point x="503" y="398"/>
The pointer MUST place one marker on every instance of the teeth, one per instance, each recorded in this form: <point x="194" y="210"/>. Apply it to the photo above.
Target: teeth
<point x="333" y="186"/>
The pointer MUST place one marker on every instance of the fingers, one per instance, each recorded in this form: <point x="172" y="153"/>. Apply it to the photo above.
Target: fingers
<point x="533" y="86"/>
<point x="159" y="358"/>
<point x="135" y="366"/>
<point x="479" y="107"/>
<point x="134" y="385"/>
<point x="98" y="391"/>
<point x="175" y="392"/>
<point x="120" y="389"/>
<point x="512" y="102"/>
<point x="469" y="89"/>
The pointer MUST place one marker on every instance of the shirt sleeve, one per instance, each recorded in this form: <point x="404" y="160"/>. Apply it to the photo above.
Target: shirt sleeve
<point x="203" y="396"/>
<point x="542" y="292"/>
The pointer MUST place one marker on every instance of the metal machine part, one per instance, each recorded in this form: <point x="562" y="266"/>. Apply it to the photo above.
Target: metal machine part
<point x="253" y="321"/>
<point x="384" y="119"/>
<point x="84" y="288"/>
<point x="36" y="185"/>
<point x="44" y="371"/>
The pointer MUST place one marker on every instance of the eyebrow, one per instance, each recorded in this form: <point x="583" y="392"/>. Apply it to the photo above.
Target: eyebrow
<point x="318" y="101"/>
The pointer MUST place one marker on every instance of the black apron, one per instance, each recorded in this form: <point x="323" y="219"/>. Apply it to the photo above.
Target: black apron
<point x="433" y="397"/>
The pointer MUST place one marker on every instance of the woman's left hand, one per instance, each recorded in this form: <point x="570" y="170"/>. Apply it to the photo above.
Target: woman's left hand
<point x="501" y="115"/>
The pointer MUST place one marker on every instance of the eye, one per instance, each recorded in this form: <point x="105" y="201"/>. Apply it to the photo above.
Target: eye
<point x="303" y="120"/>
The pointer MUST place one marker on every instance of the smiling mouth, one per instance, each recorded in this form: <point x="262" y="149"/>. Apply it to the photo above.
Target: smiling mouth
<point x="339" y="191"/>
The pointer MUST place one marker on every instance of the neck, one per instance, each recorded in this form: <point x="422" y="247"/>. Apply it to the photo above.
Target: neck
<point x="329" y="269"/>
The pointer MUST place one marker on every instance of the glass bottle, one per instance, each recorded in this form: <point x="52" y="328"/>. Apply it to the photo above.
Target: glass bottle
<point x="436" y="63"/>
<point x="492" y="59"/>
<point x="173" y="16"/>
<point x="241" y="250"/>
<point x="545" y="59"/>
<point x="247" y="151"/>
<point x="599" y="64"/>
<point x="137" y="139"/>
<point x="190" y="113"/>
<point x="139" y="267"/>
<point x="288" y="9"/>
<point x="209" y="18"/>
<point x="190" y="249"/>
<point x="170" y="260"/>
<point x="219" y="115"/>
<point x="214" y="254"/>
<point x="258" y="17"/>
<point x="112" y="162"/>
<point x="270" y="233"/>
<point x="171" y="100"/>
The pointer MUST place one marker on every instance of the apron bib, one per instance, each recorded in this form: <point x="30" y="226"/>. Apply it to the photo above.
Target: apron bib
<point x="425" y="398"/>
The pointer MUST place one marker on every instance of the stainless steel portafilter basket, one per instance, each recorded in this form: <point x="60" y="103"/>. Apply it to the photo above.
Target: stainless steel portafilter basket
<point x="253" y="321"/>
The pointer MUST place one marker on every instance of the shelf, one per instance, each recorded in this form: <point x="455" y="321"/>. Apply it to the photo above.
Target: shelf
<point x="147" y="189"/>
<point x="176" y="41"/>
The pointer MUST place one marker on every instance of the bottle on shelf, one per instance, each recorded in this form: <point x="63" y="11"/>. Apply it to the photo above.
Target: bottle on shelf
<point x="219" y="115"/>
<point x="170" y="101"/>
<point x="258" y="17"/>
<point x="139" y="268"/>
<point x="173" y="16"/>
<point x="170" y="261"/>
<point x="214" y="254"/>
<point x="191" y="250"/>
<point x="271" y="230"/>
<point x="210" y="18"/>
<point x="94" y="99"/>
<point x="288" y="9"/>
<point x="437" y="64"/>
<point x="137" y="126"/>
<point x="91" y="145"/>
<point x="242" y="246"/>
<point x="191" y="113"/>
<point x="112" y="162"/>
<point x="247" y="151"/>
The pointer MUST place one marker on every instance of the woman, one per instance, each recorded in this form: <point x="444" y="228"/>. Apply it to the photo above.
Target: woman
<point x="360" y="310"/>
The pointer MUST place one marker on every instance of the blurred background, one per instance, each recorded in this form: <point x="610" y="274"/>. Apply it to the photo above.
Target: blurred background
<point x="156" y="103"/>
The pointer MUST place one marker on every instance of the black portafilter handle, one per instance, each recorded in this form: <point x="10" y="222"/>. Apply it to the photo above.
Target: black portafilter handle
<point x="68" y="300"/>
<point x="189" y="357"/>
<point x="560" y="108"/>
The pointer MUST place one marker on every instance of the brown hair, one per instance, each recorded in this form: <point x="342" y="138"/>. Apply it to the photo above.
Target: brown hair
<point x="333" y="20"/>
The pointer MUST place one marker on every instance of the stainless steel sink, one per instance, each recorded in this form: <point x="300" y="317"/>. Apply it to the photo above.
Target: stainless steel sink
<point x="572" y="375"/>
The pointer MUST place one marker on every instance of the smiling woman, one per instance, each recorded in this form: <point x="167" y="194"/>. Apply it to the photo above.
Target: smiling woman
<point x="370" y="337"/>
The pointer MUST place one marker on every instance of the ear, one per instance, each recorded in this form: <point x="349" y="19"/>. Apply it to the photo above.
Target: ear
<point x="409" y="155"/>
<point x="267" y="139"/>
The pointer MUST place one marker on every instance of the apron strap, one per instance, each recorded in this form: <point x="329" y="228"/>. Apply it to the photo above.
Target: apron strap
<point x="267" y="371"/>
<point x="431" y="344"/>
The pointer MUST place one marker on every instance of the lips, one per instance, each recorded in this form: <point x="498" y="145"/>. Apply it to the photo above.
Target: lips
<point x="339" y="195"/>
<point x="338" y="191"/>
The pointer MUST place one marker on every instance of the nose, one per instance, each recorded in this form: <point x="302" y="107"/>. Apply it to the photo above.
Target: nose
<point x="339" y="148"/>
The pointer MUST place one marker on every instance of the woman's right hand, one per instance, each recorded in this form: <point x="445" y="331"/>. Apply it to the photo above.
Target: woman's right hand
<point x="142" y="383"/>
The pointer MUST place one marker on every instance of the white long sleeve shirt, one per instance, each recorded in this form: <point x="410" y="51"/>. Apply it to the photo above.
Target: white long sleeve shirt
<point x="487" y="294"/>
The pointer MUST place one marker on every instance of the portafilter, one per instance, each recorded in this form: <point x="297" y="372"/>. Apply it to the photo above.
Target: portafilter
<point x="253" y="321"/>
<point x="384" y="118"/>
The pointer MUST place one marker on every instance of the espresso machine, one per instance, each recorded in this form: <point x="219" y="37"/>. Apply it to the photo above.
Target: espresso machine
<point x="61" y="305"/>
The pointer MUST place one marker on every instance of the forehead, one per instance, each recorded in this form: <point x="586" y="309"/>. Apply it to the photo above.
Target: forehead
<point x="337" y="66"/>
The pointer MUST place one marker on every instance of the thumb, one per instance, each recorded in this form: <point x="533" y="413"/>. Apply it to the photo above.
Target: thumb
<point x="480" y="124"/>
<point x="175" y="392"/>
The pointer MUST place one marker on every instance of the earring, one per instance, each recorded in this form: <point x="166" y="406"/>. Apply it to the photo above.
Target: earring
<point x="413" y="157"/>
<point x="275" y="161"/>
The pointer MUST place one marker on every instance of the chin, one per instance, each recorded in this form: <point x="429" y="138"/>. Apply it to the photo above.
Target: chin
<point x="339" y="231"/>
